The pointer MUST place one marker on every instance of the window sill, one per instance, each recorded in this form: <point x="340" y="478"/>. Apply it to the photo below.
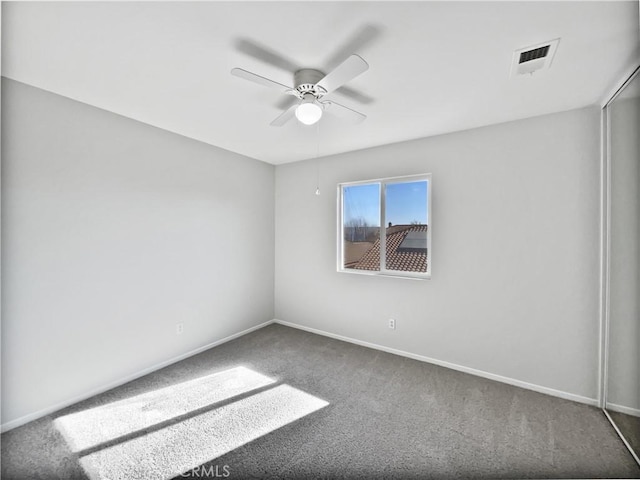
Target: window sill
<point x="404" y="276"/>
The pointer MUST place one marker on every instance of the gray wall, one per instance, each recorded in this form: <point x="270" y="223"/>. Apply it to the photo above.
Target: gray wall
<point x="624" y="302"/>
<point x="514" y="288"/>
<point x="113" y="232"/>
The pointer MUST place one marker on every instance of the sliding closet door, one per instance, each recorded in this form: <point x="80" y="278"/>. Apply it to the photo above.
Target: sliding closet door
<point x="622" y="396"/>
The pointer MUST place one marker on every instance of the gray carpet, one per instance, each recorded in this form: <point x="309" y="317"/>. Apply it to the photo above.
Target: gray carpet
<point x="313" y="407"/>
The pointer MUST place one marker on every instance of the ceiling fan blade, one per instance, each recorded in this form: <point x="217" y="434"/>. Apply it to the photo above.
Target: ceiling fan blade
<point x="344" y="112"/>
<point x="285" y="116"/>
<point x="239" y="72"/>
<point x="353" y="94"/>
<point x="347" y="70"/>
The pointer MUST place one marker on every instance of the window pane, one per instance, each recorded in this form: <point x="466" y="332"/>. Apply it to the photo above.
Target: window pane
<point x="361" y="227"/>
<point x="406" y="229"/>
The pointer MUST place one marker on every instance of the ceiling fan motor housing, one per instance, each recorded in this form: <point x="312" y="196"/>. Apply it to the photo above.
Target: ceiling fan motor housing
<point x="306" y="81"/>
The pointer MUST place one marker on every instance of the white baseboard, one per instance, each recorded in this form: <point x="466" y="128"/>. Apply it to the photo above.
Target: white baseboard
<point x="453" y="366"/>
<point x="54" y="408"/>
<point x="622" y="409"/>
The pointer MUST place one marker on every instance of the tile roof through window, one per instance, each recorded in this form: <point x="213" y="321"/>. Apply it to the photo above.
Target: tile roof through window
<point x="399" y="259"/>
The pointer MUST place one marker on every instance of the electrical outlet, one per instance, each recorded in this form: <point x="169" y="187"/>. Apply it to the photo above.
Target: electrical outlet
<point x="179" y="328"/>
<point x="392" y="323"/>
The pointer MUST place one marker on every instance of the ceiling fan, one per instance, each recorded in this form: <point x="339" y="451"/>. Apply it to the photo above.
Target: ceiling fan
<point x="310" y="87"/>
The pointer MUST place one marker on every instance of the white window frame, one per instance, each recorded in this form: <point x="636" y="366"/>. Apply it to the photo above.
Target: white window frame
<point x="382" y="182"/>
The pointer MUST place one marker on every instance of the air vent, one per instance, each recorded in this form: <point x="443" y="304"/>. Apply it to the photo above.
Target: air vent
<point x="531" y="59"/>
<point x="534" y="54"/>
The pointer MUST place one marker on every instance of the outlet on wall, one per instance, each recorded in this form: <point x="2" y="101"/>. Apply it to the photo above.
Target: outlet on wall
<point x="179" y="328"/>
<point x="392" y="323"/>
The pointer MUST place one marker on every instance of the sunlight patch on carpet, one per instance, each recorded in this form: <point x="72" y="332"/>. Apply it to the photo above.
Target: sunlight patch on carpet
<point x="98" y="425"/>
<point x="168" y="452"/>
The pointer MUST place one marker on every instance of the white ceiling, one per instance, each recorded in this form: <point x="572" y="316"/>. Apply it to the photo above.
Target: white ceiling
<point x="435" y="67"/>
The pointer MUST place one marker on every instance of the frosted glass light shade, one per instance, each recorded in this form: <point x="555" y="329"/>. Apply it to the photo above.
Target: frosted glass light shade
<point x="308" y="112"/>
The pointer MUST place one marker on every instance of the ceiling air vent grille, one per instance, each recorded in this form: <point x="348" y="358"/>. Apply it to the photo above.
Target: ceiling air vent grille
<point x="534" y="54"/>
<point x="531" y="59"/>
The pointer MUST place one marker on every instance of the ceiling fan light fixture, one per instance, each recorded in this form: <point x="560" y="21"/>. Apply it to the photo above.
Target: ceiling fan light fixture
<point x="310" y="86"/>
<point x="309" y="111"/>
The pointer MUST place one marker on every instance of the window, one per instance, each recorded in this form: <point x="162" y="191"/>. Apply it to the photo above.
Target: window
<point x="384" y="227"/>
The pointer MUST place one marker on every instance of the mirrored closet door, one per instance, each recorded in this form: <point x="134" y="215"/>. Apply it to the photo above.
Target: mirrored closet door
<point x="621" y="392"/>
